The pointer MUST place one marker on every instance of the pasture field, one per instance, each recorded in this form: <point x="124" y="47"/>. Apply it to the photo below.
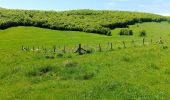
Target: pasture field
<point x="140" y="72"/>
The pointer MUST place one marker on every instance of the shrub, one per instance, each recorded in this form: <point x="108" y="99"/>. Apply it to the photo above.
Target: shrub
<point x="165" y="47"/>
<point x="125" y="32"/>
<point x="60" y="54"/>
<point x="126" y="58"/>
<point x="88" y="76"/>
<point x="49" y="57"/>
<point x="130" y="32"/>
<point x="142" y="33"/>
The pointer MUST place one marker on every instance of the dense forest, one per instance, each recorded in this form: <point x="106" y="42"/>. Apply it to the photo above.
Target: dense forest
<point x="92" y="21"/>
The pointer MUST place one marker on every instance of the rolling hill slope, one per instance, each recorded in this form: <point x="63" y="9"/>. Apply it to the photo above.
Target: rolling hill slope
<point x="140" y="72"/>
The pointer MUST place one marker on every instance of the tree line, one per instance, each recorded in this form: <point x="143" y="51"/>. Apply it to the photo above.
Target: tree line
<point x="91" y="21"/>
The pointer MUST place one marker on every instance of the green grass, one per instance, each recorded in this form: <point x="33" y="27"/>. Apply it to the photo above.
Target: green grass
<point x="140" y="72"/>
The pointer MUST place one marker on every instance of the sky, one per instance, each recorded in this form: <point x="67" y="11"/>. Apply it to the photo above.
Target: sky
<point x="152" y="6"/>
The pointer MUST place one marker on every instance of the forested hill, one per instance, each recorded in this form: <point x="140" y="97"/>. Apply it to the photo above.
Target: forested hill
<point x="92" y="21"/>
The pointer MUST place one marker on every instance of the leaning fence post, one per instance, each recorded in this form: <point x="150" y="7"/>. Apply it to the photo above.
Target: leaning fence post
<point x="124" y="44"/>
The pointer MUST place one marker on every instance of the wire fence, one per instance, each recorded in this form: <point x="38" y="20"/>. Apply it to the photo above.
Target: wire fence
<point x="95" y="47"/>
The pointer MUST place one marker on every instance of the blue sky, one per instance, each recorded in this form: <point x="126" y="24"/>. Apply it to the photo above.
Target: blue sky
<point x="153" y="6"/>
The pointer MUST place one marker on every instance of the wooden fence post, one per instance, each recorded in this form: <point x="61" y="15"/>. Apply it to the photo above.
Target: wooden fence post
<point x="124" y="44"/>
<point x="22" y="48"/>
<point x="100" y="49"/>
<point x="143" y="41"/>
<point x="33" y="48"/>
<point x="64" y="50"/>
<point x="54" y="48"/>
<point x="111" y="46"/>
<point x="38" y="48"/>
<point x="28" y="49"/>
<point x="79" y="51"/>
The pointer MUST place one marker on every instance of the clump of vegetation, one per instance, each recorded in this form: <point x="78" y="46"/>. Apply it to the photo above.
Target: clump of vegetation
<point x="40" y="71"/>
<point x="69" y="63"/>
<point x="165" y="47"/>
<point x="153" y="66"/>
<point x="75" y="71"/>
<point x="60" y="54"/>
<point x="49" y="57"/>
<point x="126" y="58"/>
<point x="167" y="71"/>
<point x="69" y="56"/>
<point x="142" y="33"/>
<point x="125" y="32"/>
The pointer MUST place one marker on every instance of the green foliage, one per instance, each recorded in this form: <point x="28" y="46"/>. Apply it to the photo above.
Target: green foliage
<point x="125" y="32"/>
<point x="69" y="63"/>
<point x="93" y="21"/>
<point x="142" y="33"/>
<point x="40" y="71"/>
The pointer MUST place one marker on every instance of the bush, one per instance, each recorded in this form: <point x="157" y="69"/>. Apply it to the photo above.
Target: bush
<point x="60" y="54"/>
<point x="130" y="32"/>
<point x="142" y="33"/>
<point x="125" y="32"/>
<point x="49" y="57"/>
<point x="165" y="47"/>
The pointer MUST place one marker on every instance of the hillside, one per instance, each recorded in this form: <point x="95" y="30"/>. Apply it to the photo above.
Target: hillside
<point x="93" y="21"/>
<point x="139" y="72"/>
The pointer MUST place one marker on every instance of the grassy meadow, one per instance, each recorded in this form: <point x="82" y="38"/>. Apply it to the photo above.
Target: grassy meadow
<point x="135" y="72"/>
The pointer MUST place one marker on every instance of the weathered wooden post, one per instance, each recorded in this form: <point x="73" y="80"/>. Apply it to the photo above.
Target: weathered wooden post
<point x="143" y="41"/>
<point x="79" y="49"/>
<point x="22" y="48"/>
<point x="111" y="46"/>
<point x="54" y="48"/>
<point x="124" y="44"/>
<point x="28" y="49"/>
<point x="64" y="50"/>
<point x="33" y="48"/>
<point x="100" y="49"/>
